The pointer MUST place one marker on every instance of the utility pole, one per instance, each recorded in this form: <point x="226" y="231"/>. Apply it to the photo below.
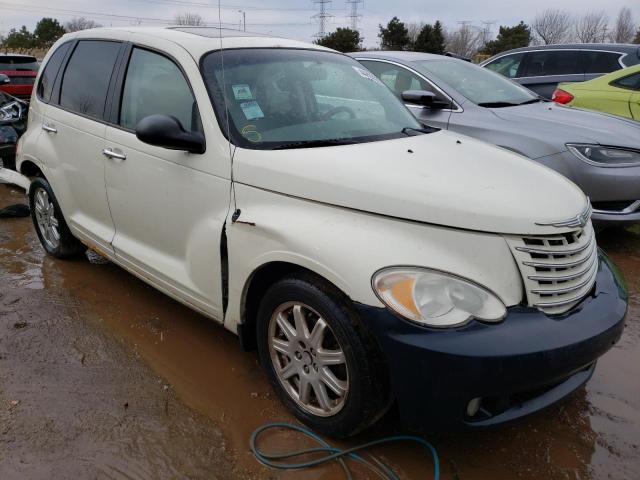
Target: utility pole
<point x="486" y="30"/>
<point x="244" y="19"/>
<point x="353" y="14"/>
<point x="322" y="17"/>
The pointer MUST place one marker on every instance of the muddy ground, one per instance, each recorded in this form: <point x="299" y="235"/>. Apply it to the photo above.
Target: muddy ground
<point x="103" y="377"/>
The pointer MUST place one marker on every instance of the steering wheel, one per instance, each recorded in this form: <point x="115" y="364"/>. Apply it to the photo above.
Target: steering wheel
<point x="337" y="110"/>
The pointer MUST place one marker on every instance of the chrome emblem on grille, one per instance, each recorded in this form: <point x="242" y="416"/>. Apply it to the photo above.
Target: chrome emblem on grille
<point x="577" y="221"/>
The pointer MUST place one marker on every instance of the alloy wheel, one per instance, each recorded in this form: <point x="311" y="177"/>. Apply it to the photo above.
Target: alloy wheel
<point x="46" y="219"/>
<point x="308" y="360"/>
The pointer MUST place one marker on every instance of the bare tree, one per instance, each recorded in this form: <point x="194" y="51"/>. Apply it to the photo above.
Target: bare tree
<point x="465" y="41"/>
<point x="414" y="30"/>
<point x="188" y="18"/>
<point x="623" y="30"/>
<point x="592" y="27"/>
<point x="553" y="26"/>
<point x="80" y="23"/>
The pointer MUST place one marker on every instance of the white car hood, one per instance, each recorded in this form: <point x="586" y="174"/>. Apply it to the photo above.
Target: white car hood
<point x="440" y="178"/>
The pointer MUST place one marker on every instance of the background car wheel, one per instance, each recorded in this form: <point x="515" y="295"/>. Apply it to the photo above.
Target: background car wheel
<point x="320" y="360"/>
<point x="52" y="230"/>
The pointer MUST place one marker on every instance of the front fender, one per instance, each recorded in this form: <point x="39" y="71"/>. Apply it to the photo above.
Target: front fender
<point x="347" y="247"/>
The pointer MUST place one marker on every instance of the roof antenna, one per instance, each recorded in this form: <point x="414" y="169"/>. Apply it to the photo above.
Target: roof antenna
<point x="236" y="213"/>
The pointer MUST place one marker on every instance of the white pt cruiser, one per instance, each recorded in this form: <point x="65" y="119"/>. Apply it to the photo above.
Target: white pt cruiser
<point x="281" y="190"/>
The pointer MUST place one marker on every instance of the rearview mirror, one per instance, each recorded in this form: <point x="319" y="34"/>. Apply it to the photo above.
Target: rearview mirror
<point x="167" y="132"/>
<point x="424" y="98"/>
<point x="4" y="79"/>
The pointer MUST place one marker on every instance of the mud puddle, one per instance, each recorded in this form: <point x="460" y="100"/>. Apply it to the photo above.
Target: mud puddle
<point x="160" y="350"/>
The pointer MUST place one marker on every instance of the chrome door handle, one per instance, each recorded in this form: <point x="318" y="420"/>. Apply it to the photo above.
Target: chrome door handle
<point x="107" y="152"/>
<point x="49" y="128"/>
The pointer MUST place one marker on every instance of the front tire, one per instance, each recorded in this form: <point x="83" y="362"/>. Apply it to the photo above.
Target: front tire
<point x="52" y="230"/>
<point x="321" y="362"/>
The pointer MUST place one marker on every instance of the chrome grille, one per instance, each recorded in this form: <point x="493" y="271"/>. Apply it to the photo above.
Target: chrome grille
<point x="558" y="270"/>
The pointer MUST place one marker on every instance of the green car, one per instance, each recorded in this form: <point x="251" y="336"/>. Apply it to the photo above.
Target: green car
<point x="617" y="93"/>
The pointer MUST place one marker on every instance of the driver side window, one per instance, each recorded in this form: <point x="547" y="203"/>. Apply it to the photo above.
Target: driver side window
<point x="155" y="85"/>
<point x="398" y="79"/>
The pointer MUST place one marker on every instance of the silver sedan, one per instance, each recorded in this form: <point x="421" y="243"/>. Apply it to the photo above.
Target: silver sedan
<point x="599" y="152"/>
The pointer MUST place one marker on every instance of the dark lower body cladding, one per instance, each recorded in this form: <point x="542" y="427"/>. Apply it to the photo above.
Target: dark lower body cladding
<point x="482" y="375"/>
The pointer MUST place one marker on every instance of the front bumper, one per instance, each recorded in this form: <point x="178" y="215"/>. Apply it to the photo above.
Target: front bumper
<point x="524" y="364"/>
<point x="609" y="218"/>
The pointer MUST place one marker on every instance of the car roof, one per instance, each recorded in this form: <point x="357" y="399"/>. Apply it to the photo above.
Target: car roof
<point x="400" y="56"/>
<point x="196" y="40"/>
<point x="612" y="47"/>
<point x="17" y="55"/>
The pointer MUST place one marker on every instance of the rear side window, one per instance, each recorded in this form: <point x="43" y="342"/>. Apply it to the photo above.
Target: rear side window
<point x="16" y="62"/>
<point x="507" y="65"/>
<point x="549" y="62"/>
<point x="155" y="85"/>
<point x="86" y="78"/>
<point x="630" y="81"/>
<point x="48" y="77"/>
<point x="601" y="62"/>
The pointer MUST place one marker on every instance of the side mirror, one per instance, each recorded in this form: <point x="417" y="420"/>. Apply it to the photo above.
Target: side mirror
<point x="167" y="132"/>
<point x="4" y="79"/>
<point x="424" y="98"/>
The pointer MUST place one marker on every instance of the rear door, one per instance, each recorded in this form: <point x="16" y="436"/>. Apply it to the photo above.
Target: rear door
<point x="544" y="69"/>
<point x="73" y="139"/>
<point x="168" y="206"/>
<point x="399" y="79"/>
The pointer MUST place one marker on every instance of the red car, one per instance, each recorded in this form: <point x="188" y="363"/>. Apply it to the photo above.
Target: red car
<point x="22" y="71"/>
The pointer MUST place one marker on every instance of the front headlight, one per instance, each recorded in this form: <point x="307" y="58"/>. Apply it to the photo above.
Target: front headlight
<point x="603" y="156"/>
<point x="434" y="298"/>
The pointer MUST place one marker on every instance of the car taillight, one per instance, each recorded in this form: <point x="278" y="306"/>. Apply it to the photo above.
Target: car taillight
<point x="560" y="96"/>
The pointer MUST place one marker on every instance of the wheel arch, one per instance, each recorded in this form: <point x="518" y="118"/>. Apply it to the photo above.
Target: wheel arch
<point x="29" y="168"/>
<point x="257" y="284"/>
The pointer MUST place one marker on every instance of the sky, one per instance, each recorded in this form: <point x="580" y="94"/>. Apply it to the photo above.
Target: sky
<point x="292" y="18"/>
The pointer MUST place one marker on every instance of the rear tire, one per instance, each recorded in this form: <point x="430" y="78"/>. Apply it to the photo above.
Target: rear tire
<point x="52" y="230"/>
<point x="330" y="376"/>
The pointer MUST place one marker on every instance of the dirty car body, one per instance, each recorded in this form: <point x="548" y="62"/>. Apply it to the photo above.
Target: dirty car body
<point x="290" y="197"/>
<point x="484" y="105"/>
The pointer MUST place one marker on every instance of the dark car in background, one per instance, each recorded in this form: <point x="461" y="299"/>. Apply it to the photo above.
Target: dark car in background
<point x="541" y="68"/>
<point x="22" y="71"/>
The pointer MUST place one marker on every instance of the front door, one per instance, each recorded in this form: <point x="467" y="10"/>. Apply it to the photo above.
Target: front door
<point x="73" y="140"/>
<point x="168" y="206"/>
<point x="400" y="79"/>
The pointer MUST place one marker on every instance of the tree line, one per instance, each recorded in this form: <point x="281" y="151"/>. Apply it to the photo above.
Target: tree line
<point x="548" y="27"/>
<point x="45" y="34"/>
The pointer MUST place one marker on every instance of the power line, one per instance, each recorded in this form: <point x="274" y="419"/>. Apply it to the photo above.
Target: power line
<point x="353" y="14"/>
<point x="112" y="16"/>
<point x="322" y="17"/>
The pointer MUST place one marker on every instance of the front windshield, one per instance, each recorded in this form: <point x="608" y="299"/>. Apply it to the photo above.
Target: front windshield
<point x="290" y="98"/>
<point x="483" y="87"/>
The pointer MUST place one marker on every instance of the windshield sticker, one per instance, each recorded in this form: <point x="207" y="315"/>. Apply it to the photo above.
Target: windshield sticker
<point x="250" y="133"/>
<point x="242" y="92"/>
<point x="367" y="74"/>
<point x="251" y="110"/>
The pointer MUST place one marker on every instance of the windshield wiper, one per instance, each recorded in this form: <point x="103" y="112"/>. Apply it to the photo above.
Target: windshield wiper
<point x="315" y="143"/>
<point x="498" y="104"/>
<point x="410" y="131"/>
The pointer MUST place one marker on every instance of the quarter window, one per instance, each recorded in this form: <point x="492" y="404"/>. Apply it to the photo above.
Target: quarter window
<point x="155" y="85"/>
<point x="550" y="62"/>
<point x="48" y="77"/>
<point x="630" y="81"/>
<point x="601" y="62"/>
<point x="86" y="79"/>
<point x="507" y="65"/>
